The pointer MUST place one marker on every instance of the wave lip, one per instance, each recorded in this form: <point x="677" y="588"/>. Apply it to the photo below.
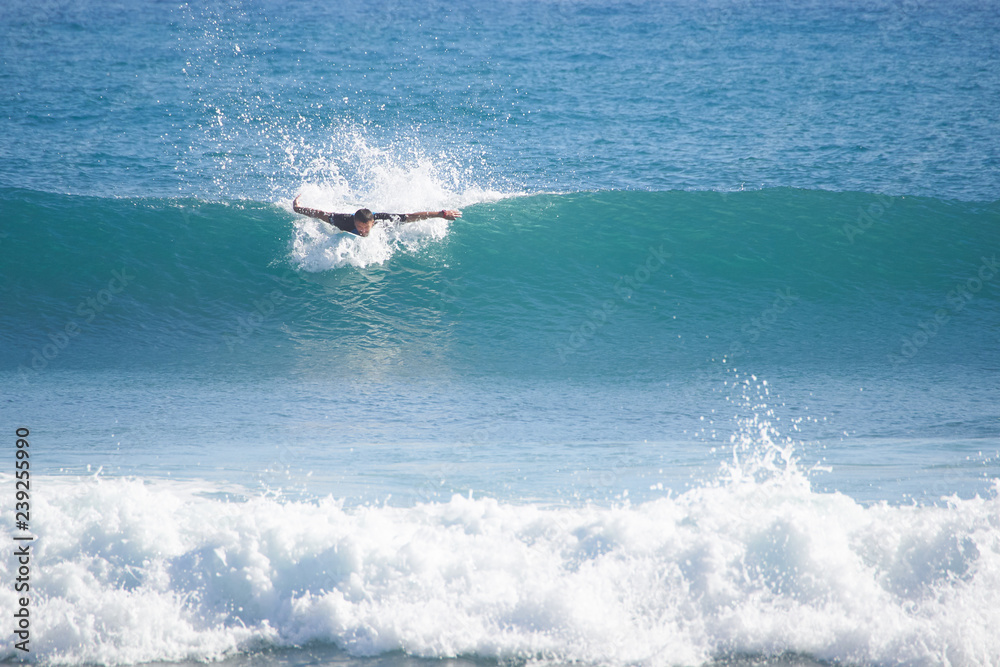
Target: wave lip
<point x="130" y="572"/>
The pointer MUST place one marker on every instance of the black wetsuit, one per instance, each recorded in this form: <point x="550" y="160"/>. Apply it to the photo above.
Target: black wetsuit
<point x="345" y="221"/>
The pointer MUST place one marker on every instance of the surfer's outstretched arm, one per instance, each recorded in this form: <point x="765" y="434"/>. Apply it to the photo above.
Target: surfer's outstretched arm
<point x="425" y="215"/>
<point x="311" y="212"/>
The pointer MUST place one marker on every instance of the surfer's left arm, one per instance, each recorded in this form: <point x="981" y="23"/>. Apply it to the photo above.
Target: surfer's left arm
<point x="447" y="214"/>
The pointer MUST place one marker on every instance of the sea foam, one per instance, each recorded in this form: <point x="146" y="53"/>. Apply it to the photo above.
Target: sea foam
<point x="128" y="571"/>
<point x="352" y="171"/>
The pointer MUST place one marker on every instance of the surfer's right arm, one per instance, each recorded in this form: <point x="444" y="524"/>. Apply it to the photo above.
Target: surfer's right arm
<point x="311" y="212"/>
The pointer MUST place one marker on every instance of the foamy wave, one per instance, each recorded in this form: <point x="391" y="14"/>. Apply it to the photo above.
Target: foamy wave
<point x="127" y="571"/>
<point x="319" y="247"/>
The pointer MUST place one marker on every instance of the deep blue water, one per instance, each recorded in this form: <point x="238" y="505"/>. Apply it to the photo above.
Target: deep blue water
<point x="706" y="373"/>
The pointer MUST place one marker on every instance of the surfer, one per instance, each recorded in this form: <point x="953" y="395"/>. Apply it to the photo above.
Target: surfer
<point x="362" y="221"/>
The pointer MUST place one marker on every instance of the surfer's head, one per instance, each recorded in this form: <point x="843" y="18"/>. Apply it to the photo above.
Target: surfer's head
<point x="363" y="221"/>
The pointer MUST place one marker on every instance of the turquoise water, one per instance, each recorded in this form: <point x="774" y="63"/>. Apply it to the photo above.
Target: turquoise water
<point x="705" y="374"/>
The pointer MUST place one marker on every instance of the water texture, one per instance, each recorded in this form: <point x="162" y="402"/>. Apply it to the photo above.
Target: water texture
<point x="705" y="374"/>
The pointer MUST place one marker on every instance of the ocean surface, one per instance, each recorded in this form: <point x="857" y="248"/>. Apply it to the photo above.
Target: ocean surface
<point x="707" y="373"/>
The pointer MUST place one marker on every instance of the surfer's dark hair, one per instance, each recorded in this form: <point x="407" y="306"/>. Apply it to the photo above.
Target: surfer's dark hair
<point x="363" y="215"/>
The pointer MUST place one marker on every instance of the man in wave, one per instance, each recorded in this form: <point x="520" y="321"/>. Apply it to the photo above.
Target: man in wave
<point x="363" y="220"/>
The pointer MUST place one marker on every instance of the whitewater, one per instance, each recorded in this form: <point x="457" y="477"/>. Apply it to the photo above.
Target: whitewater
<point x="137" y="572"/>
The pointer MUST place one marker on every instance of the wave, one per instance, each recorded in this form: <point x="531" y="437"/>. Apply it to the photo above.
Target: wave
<point x="756" y="563"/>
<point x="673" y="277"/>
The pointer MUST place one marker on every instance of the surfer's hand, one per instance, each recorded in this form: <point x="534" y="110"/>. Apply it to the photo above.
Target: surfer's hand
<point x="449" y="215"/>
